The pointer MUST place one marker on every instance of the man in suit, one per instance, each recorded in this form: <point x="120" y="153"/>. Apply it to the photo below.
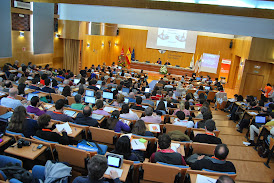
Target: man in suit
<point x="159" y="61"/>
<point x="85" y="119"/>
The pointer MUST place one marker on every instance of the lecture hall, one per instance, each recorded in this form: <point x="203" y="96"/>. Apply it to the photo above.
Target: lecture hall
<point x="137" y="91"/>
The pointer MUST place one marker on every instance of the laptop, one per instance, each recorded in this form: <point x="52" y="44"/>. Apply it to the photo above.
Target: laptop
<point x="198" y="79"/>
<point x="159" y="101"/>
<point x="147" y="90"/>
<point x="90" y="100"/>
<point x="90" y="93"/>
<point x="115" y="162"/>
<point x="119" y="67"/>
<point x="108" y="95"/>
<point x="112" y="89"/>
<point x="97" y="116"/>
<point x="99" y="82"/>
<point x="69" y="113"/>
<point x="126" y="90"/>
<point x="260" y="120"/>
<point x="76" y="81"/>
<point x="74" y="93"/>
<point x="30" y="95"/>
<point x="126" y="101"/>
<point x="207" y="87"/>
<point x="61" y="88"/>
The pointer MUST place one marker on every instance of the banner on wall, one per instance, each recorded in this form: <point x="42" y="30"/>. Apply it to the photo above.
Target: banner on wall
<point x="225" y="67"/>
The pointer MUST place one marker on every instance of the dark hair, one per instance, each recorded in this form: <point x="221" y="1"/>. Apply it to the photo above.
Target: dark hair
<point x="225" y="179"/>
<point x="210" y="125"/>
<point x="17" y="119"/>
<point x="66" y="91"/>
<point x="147" y="95"/>
<point x="187" y="105"/>
<point x="44" y="76"/>
<point x="125" y="109"/>
<point x="87" y="111"/>
<point x="97" y="166"/>
<point x="221" y="151"/>
<point x="34" y="100"/>
<point x="99" y="104"/>
<point x="8" y="84"/>
<point x="161" y="106"/>
<point x="98" y="95"/>
<point x="47" y="82"/>
<point x="181" y="115"/>
<point x="268" y="84"/>
<point x="21" y="89"/>
<point x="54" y="82"/>
<point x="253" y="103"/>
<point x="207" y="115"/>
<point x="59" y="104"/>
<point x="272" y="115"/>
<point x="138" y="100"/>
<point x="201" y="87"/>
<point x="139" y="128"/>
<point x="77" y="98"/>
<point x="261" y="103"/>
<point x="82" y="81"/>
<point x="123" y="147"/>
<point x="81" y="89"/>
<point x="240" y="98"/>
<point x="164" y="141"/>
<point x="114" y="118"/>
<point x="43" y="120"/>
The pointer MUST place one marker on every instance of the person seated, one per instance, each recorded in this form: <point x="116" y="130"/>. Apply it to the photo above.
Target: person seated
<point x="10" y="100"/>
<point x="217" y="162"/>
<point x="60" y="75"/>
<point x="99" y="108"/>
<point x="34" y="107"/>
<point x="161" y="107"/>
<point x="209" y="136"/>
<point x="21" y="85"/>
<point x="166" y="154"/>
<point x="123" y="147"/>
<point x="66" y="91"/>
<point x="58" y="113"/>
<point x="125" y="113"/>
<point x="97" y="167"/>
<point x="113" y="123"/>
<point x="182" y="107"/>
<point x="159" y="61"/>
<point x="147" y="100"/>
<point x="206" y="116"/>
<point x="140" y="129"/>
<point x="43" y="78"/>
<point x="47" y="87"/>
<point x="45" y="131"/>
<point x="85" y="118"/>
<point x="20" y="122"/>
<point x="16" y="64"/>
<point x="78" y="103"/>
<point x="120" y="101"/>
<point x="151" y="117"/>
<point x="170" y="103"/>
<point x="182" y="121"/>
<point x="255" y="128"/>
<point x="120" y="90"/>
<point x="131" y="97"/>
<point x="92" y="85"/>
<point x="33" y="84"/>
<point x="225" y="179"/>
<point x="167" y="63"/>
<point x="138" y="105"/>
<point x="7" y="86"/>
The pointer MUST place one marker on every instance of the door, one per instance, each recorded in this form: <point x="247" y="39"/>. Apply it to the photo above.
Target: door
<point x="253" y="84"/>
<point x="236" y="70"/>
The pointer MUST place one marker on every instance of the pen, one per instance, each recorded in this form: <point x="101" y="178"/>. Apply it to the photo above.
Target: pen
<point x="135" y="142"/>
<point x="75" y="129"/>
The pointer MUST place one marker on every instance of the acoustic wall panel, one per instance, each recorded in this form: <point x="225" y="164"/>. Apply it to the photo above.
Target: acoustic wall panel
<point x="43" y="27"/>
<point x="5" y="30"/>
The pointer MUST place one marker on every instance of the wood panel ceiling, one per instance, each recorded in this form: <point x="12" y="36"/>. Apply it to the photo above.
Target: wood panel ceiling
<point x="175" y="6"/>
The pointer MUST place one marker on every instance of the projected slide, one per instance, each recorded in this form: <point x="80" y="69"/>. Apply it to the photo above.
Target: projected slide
<point x="210" y="63"/>
<point x="172" y="38"/>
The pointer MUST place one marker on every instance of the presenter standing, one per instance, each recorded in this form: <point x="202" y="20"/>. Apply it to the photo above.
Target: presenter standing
<point x="159" y="61"/>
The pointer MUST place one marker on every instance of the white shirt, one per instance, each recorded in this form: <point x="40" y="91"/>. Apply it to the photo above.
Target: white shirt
<point x="188" y="124"/>
<point x="10" y="102"/>
<point x="130" y="115"/>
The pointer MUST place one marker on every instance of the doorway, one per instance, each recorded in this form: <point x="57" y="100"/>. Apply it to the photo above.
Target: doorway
<point x="252" y="85"/>
<point x="236" y="70"/>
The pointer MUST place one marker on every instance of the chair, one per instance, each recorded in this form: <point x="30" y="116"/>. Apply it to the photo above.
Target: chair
<point x="4" y="110"/>
<point x="71" y="100"/>
<point x="72" y="155"/>
<point x="270" y="152"/>
<point x="211" y="95"/>
<point x="56" y="97"/>
<point x="200" y="130"/>
<point x="201" y="91"/>
<point x="151" y="145"/>
<point x="202" y="148"/>
<point x="190" y="91"/>
<point x="162" y="173"/>
<point x="170" y="127"/>
<point x="103" y="135"/>
<point x="211" y="173"/>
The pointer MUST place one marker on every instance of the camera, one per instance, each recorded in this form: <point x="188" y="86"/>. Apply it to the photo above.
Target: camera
<point x="22" y="142"/>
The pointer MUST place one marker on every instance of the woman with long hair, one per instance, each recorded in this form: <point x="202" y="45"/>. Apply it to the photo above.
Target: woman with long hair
<point x="161" y="107"/>
<point x="123" y="147"/>
<point x="113" y="123"/>
<point x="140" y="129"/>
<point x="20" y="122"/>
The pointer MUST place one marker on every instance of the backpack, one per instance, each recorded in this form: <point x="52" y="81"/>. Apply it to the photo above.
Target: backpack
<point x="12" y="170"/>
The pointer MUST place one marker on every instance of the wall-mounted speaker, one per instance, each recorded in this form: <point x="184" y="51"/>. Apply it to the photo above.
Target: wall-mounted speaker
<point x="231" y="44"/>
<point x="117" y="33"/>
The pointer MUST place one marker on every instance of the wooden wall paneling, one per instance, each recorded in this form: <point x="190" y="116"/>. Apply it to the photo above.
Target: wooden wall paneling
<point x="262" y="50"/>
<point x="69" y="29"/>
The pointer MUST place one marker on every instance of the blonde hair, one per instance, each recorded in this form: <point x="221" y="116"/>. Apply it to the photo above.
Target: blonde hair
<point x="182" y="106"/>
<point x="120" y="98"/>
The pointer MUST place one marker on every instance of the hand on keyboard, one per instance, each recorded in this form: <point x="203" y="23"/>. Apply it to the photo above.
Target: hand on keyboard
<point x="113" y="174"/>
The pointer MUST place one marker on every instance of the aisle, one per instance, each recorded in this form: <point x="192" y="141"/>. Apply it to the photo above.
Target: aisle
<point x="248" y="163"/>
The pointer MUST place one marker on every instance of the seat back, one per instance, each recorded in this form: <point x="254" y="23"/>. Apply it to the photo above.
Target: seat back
<point x="4" y="110"/>
<point x="216" y="174"/>
<point x="211" y="95"/>
<point x="200" y="130"/>
<point x="201" y="91"/>
<point x="159" y="173"/>
<point x="73" y="156"/>
<point x="190" y="91"/>
<point x="202" y="148"/>
<point x="56" y="97"/>
<point x="103" y="135"/>
<point x="4" y="160"/>
<point x="171" y="127"/>
<point x="71" y="100"/>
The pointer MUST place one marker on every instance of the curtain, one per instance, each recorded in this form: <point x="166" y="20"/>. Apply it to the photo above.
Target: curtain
<point x="71" y="55"/>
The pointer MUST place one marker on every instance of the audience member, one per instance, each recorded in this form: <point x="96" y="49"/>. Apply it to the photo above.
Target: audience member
<point x="138" y="105"/>
<point x="151" y="117"/>
<point x="123" y="147"/>
<point x="126" y="113"/>
<point x="34" y="107"/>
<point x="11" y="101"/>
<point x="113" y="123"/>
<point x="140" y="129"/>
<point x="182" y="121"/>
<point x="78" y="103"/>
<point x="99" y="105"/>
<point x="47" y="87"/>
<point x="58" y="113"/>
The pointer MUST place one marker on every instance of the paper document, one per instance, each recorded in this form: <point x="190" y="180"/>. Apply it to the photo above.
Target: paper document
<point x="48" y="106"/>
<point x="246" y="143"/>
<point x="204" y="179"/>
<point x="253" y="113"/>
<point x="109" y="109"/>
<point x="137" y="145"/>
<point x="175" y="146"/>
<point x="64" y="127"/>
<point x="154" y="128"/>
